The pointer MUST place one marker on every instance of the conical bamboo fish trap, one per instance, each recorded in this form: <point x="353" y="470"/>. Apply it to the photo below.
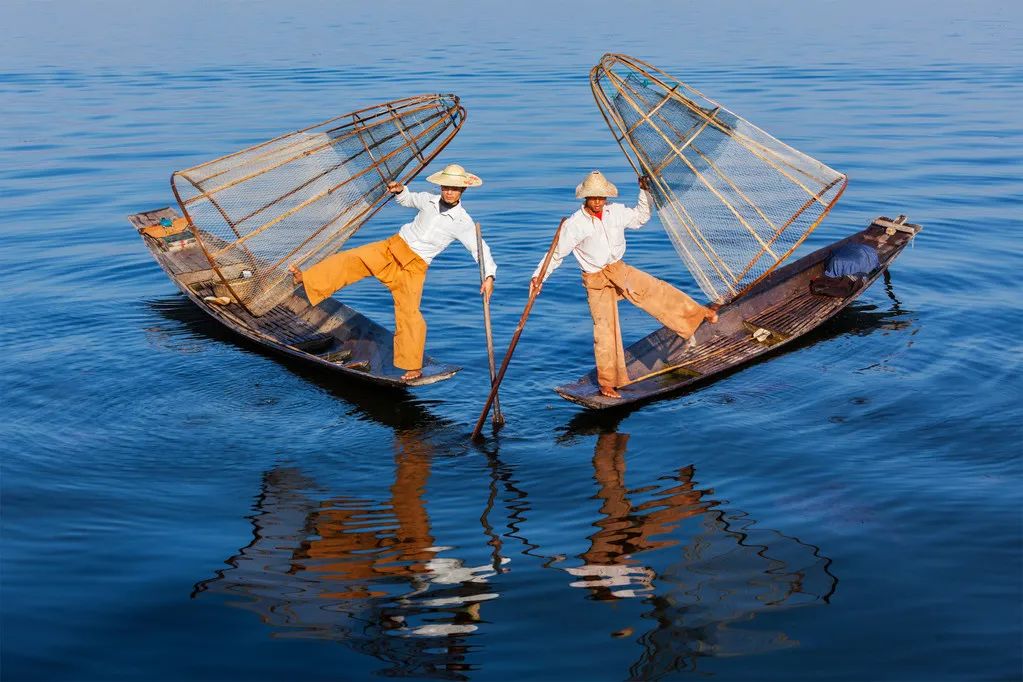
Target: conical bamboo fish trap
<point x="299" y="197"/>
<point x="735" y="201"/>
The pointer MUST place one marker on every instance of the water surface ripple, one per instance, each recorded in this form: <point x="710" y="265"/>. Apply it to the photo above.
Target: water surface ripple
<point x="178" y="504"/>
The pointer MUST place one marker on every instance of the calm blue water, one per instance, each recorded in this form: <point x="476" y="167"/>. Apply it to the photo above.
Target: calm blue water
<point x="179" y="505"/>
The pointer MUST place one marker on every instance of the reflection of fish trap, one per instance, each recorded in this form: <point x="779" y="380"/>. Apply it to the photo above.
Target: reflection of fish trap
<point x="735" y="201"/>
<point x="299" y="197"/>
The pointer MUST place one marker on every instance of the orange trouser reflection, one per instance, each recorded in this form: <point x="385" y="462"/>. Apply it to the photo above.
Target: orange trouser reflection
<point x="350" y="548"/>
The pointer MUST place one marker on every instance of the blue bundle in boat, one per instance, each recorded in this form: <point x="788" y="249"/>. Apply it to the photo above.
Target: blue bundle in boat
<point x="852" y="259"/>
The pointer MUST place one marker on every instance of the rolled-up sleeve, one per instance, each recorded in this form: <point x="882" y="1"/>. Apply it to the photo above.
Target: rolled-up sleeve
<point x="639" y="216"/>
<point x="466" y="234"/>
<point x="409" y="199"/>
<point x="489" y="266"/>
<point x="568" y="239"/>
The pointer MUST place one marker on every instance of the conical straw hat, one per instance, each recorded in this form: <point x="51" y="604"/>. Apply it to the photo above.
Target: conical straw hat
<point x="595" y="185"/>
<point x="455" y="176"/>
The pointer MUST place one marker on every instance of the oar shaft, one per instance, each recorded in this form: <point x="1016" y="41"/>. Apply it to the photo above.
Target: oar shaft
<point x="518" y="332"/>
<point x="498" y="417"/>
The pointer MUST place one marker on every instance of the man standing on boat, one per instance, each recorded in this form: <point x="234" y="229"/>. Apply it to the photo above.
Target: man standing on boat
<point x="400" y="262"/>
<point x="595" y="234"/>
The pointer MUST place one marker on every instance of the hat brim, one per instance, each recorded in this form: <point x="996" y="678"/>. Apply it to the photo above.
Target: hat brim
<point x="448" y="180"/>
<point x="587" y="192"/>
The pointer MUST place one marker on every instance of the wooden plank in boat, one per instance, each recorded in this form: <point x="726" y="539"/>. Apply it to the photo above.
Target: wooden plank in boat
<point x="781" y="305"/>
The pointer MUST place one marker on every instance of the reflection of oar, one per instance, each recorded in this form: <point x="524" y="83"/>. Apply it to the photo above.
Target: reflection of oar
<point x="498" y="417"/>
<point x="518" y="332"/>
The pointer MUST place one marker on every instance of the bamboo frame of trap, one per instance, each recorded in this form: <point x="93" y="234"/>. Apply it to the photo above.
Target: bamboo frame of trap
<point x="643" y="165"/>
<point x="446" y="117"/>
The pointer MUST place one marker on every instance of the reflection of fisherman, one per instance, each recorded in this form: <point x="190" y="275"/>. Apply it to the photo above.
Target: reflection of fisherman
<point x="596" y="235"/>
<point x="610" y="566"/>
<point x="446" y="594"/>
<point x="365" y="570"/>
<point x="400" y="262"/>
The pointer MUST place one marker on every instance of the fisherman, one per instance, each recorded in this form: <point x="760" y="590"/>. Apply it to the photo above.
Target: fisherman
<point x="596" y="235"/>
<point x="400" y="262"/>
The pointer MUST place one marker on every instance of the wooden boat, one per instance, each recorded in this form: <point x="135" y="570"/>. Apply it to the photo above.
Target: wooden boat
<point x="736" y="203"/>
<point x="778" y="310"/>
<point x="296" y="199"/>
<point x="331" y="334"/>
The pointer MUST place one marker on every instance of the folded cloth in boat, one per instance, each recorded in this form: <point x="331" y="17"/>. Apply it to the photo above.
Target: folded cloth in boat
<point x="160" y="231"/>
<point x="858" y="260"/>
<point x="836" y="287"/>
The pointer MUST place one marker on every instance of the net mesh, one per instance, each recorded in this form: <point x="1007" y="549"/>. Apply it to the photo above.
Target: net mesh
<point x="734" y="200"/>
<point x="299" y="197"/>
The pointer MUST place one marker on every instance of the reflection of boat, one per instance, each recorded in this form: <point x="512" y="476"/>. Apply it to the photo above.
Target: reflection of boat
<point x="361" y="571"/>
<point x="722" y="570"/>
<point x="297" y="199"/>
<point x="858" y="319"/>
<point x="736" y="203"/>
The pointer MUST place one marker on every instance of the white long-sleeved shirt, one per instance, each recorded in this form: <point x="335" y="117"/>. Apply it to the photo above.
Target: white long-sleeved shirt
<point x="432" y="231"/>
<point x="598" y="242"/>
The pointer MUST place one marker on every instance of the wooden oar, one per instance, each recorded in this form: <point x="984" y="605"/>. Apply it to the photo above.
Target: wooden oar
<point x="518" y="332"/>
<point x="498" y="417"/>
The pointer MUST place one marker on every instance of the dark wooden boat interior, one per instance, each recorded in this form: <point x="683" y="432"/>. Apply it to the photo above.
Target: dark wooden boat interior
<point x="776" y="311"/>
<point x="331" y="334"/>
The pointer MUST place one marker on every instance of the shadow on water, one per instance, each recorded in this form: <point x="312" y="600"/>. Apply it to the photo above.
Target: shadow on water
<point x="857" y="319"/>
<point x="391" y="406"/>
<point x="367" y="571"/>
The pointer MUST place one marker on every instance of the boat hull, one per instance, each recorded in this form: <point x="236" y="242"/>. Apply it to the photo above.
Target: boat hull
<point x="330" y="335"/>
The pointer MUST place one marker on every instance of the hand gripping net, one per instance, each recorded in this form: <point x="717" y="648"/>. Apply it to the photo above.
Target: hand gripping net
<point x="299" y="197"/>
<point x="734" y="200"/>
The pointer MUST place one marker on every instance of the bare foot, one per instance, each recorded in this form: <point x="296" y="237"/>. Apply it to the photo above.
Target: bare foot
<point x="712" y="314"/>
<point x="412" y="375"/>
<point x="296" y="274"/>
<point x="609" y="392"/>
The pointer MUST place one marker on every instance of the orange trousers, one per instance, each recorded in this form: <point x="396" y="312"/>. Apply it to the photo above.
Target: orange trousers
<point x="399" y="269"/>
<point x="669" y="306"/>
